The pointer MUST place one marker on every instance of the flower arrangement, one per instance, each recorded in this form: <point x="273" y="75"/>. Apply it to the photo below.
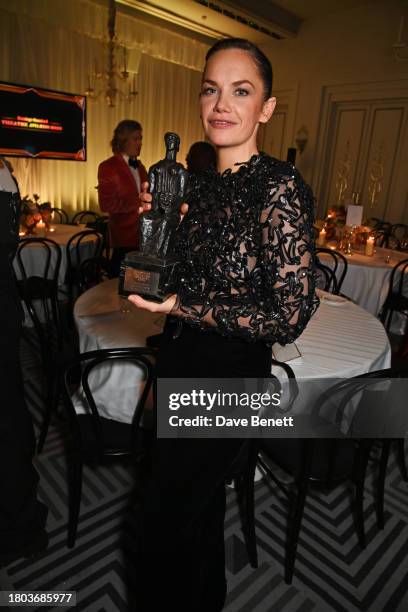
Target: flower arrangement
<point x="32" y="212"/>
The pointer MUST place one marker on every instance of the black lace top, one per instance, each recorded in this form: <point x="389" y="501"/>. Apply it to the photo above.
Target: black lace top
<point x="246" y="252"/>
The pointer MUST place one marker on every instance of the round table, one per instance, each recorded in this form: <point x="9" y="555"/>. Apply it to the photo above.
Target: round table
<point x="341" y="340"/>
<point x="367" y="278"/>
<point x="34" y="255"/>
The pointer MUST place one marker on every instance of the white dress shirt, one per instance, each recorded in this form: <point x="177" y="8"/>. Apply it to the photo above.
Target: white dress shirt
<point x="134" y="171"/>
<point x="7" y="182"/>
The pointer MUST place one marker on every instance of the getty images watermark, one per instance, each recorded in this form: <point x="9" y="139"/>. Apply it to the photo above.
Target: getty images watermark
<point x="220" y="400"/>
<point x="306" y="408"/>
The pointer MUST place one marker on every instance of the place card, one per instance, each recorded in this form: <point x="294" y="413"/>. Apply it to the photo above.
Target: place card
<point x="354" y="215"/>
<point x="285" y="353"/>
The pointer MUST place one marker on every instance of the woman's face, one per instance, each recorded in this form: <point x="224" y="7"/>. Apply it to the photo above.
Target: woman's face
<point x="232" y="100"/>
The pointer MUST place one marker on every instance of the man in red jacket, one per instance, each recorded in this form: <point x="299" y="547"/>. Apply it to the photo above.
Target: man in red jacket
<point x="119" y="183"/>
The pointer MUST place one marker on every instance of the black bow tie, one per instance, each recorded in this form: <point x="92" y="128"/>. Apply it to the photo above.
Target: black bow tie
<point x="133" y="163"/>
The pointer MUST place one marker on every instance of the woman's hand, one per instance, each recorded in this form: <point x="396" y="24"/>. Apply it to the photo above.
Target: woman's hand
<point x="164" y="308"/>
<point x="146" y="198"/>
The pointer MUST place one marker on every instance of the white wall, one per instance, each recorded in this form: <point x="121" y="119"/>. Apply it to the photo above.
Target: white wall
<point x="350" y="47"/>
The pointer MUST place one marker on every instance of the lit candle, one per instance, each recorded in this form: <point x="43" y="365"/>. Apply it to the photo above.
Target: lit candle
<point x="41" y="227"/>
<point x="321" y="241"/>
<point x="369" y="248"/>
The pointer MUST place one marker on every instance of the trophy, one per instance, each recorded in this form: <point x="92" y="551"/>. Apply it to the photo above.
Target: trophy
<point x="149" y="271"/>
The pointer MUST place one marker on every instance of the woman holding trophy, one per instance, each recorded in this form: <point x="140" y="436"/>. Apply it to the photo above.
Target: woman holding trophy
<point x="245" y="281"/>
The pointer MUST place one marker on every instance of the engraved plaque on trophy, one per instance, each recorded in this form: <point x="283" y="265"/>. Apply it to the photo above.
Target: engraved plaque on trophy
<point x="149" y="271"/>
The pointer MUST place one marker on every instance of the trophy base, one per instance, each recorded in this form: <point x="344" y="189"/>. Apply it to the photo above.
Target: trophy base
<point x="146" y="276"/>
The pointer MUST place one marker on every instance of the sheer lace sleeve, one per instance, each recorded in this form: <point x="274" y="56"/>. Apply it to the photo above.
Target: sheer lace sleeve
<point x="263" y="285"/>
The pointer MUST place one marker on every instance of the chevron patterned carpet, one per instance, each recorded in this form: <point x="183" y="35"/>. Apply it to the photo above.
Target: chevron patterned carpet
<point x="332" y="573"/>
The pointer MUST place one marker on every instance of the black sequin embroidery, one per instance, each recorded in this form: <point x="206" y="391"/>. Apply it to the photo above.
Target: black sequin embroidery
<point x="246" y="252"/>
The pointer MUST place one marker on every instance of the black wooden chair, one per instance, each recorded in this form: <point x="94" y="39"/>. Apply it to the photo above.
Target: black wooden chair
<point x="397" y="297"/>
<point x="101" y="225"/>
<point x="60" y="216"/>
<point x="80" y="247"/>
<point x="243" y="469"/>
<point x="93" y="437"/>
<point x="331" y="273"/>
<point x="39" y="291"/>
<point x="379" y="224"/>
<point x="321" y="461"/>
<point x="85" y="216"/>
<point x="93" y="271"/>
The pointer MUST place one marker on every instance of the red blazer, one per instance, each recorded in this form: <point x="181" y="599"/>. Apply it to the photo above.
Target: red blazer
<point x="118" y="195"/>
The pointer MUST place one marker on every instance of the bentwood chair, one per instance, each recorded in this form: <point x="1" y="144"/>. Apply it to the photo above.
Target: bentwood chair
<point x="397" y="297"/>
<point x="101" y="225"/>
<point x="85" y="216"/>
<point x="60" y="216"/>
<point x="243" y="469"/>
<point x="326" y="461"/>
<point x="331" y="274"/>
<point x="96" y="439"/>
<point x="80" y="246"/>
<point x="39" y="291"/>
<point x="93" y="271"/>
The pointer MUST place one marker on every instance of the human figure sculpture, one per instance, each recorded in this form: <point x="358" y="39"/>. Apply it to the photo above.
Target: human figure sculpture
<point x="168" y="185"/>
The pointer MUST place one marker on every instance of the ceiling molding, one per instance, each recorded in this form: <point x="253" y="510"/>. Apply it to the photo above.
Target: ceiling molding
<point x="219" y="19"/>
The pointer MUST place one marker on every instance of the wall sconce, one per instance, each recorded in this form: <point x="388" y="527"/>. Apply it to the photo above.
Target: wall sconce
<point x="401" y="46"/>
<point x="301" y="139"/>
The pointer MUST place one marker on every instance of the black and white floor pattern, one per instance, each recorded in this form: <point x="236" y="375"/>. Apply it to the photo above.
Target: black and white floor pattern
<point x="332" y="573"/>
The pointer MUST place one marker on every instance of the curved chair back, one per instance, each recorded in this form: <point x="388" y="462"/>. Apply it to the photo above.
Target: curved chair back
<point x="397" y="297"/>
<point x="40" y="286"/>
<point x="51" y="261"/>
<point x="80" y="247"/>
<point x="76" y="251"/>
<point x="87" y="364"/>
<point x="60" y="216"/>
<point x="333" y="268"/>
<point x="93" y="271"/>
<point x="101" y="225"/>
<point x="330" y="455"/>
<point x="85" y="216"/>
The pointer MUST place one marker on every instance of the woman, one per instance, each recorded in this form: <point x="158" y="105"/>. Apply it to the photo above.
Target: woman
<point x="246" y="280"/>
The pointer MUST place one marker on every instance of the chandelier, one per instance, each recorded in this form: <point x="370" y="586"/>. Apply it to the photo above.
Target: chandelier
<point x="118" y="82"/>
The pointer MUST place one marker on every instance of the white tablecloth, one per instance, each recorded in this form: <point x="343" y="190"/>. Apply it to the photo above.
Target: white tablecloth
<point x="340" y="341"/>
<point x="367" y="278"/>
<point x="34" y="255"/>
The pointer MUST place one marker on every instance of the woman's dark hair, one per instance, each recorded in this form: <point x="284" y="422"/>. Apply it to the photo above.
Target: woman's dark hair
<point x="122" y="132"/>
<point x="261" y="61"/>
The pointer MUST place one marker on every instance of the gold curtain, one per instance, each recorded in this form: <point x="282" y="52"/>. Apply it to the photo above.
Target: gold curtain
<point x="53" y="44"/>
